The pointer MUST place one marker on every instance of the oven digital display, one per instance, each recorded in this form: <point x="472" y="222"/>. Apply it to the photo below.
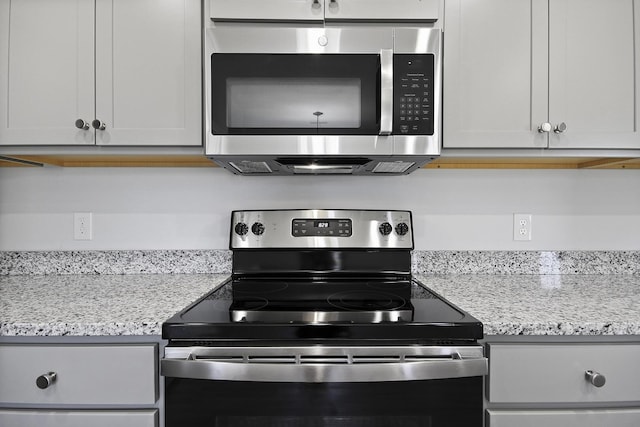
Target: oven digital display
<point x="338" y="227"/>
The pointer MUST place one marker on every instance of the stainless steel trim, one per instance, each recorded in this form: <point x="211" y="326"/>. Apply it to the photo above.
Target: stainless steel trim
<point x="320" y="317"/>
<point x="251" y="39"/>
<point x="320" y="364"/>
<point x="322" y="169"/>
<point x="365" y="229"/>
<point x="386" y="91"/>
<point x="299" y="145"/>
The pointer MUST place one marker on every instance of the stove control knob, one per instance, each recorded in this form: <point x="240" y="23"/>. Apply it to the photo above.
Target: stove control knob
<point x="402" y="229"/>
<point x="257" y="228"/>
<point x="385" y="228"/>
<point x="241" y="229"/>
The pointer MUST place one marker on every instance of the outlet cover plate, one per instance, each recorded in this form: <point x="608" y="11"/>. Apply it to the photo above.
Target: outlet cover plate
<point x="521" y="226"/>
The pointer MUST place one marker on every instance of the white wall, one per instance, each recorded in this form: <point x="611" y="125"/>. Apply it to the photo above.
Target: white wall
<point x="182" y="208"/>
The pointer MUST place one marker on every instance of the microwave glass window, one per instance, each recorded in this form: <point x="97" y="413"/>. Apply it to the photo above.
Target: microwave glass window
<point x="313" y="103"/>
<point x="295" y="94"/>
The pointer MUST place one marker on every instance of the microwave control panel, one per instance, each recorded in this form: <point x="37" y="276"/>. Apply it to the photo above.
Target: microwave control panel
<point x="413" y="102"/>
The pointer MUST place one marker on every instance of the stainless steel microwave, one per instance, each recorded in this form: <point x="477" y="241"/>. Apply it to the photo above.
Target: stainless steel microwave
<point x="296" y="99"/>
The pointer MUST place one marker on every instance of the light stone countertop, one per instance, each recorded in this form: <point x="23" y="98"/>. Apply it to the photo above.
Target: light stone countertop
<point x="111" y="305"/>
<point x="96" y="305"/>
<point x="546" y="304"/>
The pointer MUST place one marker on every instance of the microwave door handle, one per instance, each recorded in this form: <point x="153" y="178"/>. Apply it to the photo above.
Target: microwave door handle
<point x="386" y="91"/>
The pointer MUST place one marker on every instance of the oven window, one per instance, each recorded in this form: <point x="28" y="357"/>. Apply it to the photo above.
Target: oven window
<point x="435" y="403"/>
<point x="295" y="94"/>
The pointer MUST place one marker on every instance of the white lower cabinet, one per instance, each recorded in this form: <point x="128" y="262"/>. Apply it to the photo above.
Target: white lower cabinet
<point x="79" y="383"/>
<point x="565" y="418"/>
<point x="563" y="383"/>
<point x="27" y="418"/>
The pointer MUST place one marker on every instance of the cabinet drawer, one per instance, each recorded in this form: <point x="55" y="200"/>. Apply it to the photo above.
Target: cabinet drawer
<point x="521" y="373"/>
<point x="17" y="418"/>
<point x="564" y="418"/>
<point x="102" y="374"/>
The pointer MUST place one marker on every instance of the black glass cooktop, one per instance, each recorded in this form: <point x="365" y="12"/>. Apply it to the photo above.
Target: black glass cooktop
<point x="294" y="309"/>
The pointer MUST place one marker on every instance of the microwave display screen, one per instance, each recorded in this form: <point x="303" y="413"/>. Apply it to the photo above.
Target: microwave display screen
<point x="324" y="227"/>
<point x="293" y="102"/>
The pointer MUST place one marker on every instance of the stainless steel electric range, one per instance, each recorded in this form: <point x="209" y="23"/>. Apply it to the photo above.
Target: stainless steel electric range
<point x="322" y="324"/>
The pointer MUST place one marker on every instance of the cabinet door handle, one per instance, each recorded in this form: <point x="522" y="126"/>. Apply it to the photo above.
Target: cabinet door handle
<point x="45" y="380"/>
<point x="544" y="128"/>
<point x="81" y="124"/>
<point x="560" y="128"/>
<point x="595" y="378"/>
<point x="316" y="4"/>
<point x="98" y="124"/>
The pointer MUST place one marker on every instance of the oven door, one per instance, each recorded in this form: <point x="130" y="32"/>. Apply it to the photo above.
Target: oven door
<point x="324" y="386"/>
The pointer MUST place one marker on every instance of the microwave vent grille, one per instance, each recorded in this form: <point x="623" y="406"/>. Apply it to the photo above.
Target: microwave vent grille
<point x="248" y="167"/>
<point x="393" y="167"/>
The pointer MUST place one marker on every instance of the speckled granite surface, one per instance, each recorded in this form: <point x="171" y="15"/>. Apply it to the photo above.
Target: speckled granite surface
<point x="526" y="262"/>
<point x="115" y="262"/>
<point x="219" y="261"/>
<point x="91" y="305"/>
<point x="133" y="292"/>
<point x="546" y="304"/>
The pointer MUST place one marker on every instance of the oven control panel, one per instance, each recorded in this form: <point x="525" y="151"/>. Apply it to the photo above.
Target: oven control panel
<point x="320" y="229"/>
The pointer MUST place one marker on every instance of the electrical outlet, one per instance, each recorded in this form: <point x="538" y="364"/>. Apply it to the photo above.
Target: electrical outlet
<point x="82" y="226"/>
<point x="521" y="226"/>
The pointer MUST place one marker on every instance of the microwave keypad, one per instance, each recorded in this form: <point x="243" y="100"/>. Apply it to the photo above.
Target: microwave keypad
<point x="413" y="94"/>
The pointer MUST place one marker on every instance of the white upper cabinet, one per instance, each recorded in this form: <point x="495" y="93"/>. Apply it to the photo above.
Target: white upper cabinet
<point x="105" y="72"/>
<point x="382" y="10"/>
<point x="148" y="78"/>
<point x="46" y="71"/>
<point x="541" y="74"/>
<point x="260" y="10"/>
<point x="593" y="79"/>
<point x="319" y="10"/>
<point x="495" y="73"/>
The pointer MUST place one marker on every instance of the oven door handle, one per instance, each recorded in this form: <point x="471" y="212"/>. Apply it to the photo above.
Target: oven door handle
<point x="324" y="372"/>
<point x="386" y="91"/>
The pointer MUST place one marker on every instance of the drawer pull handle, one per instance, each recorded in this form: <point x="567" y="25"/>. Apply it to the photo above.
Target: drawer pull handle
<point x="45" y="380"/>
<point x="595" y="378"/>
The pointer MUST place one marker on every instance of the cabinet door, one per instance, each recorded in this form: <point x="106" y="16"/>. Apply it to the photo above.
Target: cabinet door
<point x="261" y="10"/>
<point x="495" y="73"/>
<point x="564" y="418"/>
<point x="22" y="418"/>
<point x="84" y="374"/>
<point x="382" y="10"/>
<point x="46" y="71"/>
<point x="593" y="77"/>
<point x="148" y="79"/>
<point x="556" y="373"/>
